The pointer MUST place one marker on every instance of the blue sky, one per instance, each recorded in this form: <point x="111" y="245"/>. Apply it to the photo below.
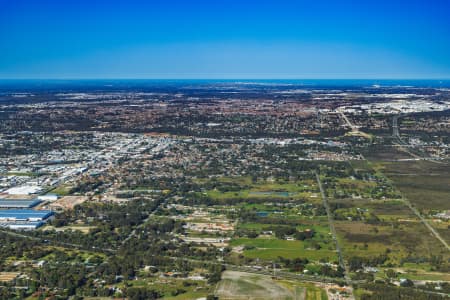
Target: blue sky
<point x="225" y="39"/>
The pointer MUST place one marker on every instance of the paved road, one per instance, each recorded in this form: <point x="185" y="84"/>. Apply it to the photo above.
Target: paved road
<point x="425" y="222"/>
<point x="404" y="145"/>
<point x="333" y="233"/>
<point x="330" y="221"/>
<point x="352" y="126"/>
<point x="395" y="133"/>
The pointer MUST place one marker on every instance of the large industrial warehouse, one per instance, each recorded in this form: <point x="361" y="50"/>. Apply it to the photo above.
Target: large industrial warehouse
<point x="18" y="203"/>
<point x="24" y="218"/>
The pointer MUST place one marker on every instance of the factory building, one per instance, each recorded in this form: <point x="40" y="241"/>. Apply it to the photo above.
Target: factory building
<point x="48" y="197"/>
<point x="18" y="203"/>
<point x="24" y="215"/>
<point x="24" y="219"/>
<point x="22" y="225"/>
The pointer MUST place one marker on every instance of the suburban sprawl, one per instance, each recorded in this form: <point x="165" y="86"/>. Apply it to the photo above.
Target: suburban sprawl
<point x="224" y="190"/>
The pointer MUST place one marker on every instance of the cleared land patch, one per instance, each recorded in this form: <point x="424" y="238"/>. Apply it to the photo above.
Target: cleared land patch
<point x="240" y="285"/>
<point x="425" y="184"/>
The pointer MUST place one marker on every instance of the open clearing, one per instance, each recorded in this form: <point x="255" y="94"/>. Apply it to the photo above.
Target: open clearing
<point x="240" y="285"/>
<point x="271" y="249"/>
<point x="425" y="184"/>
<point x="385" y="153"/>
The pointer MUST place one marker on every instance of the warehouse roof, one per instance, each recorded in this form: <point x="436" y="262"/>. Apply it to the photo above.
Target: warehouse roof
<point x="22" y="225"/>
<point x="9" y="203"/>
<point x="25" y="214"/>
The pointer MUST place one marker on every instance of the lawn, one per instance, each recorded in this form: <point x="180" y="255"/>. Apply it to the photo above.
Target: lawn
<point x="272" y="248"/>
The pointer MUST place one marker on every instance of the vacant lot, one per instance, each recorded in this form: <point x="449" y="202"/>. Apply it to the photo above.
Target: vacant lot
<point x="386" y="153"/>
<point x="425" y="191"/>
<point x="240" y="285"/>
<point x="67" y="202"/>
<point x="405" y="239"/>
<point x="423" y="183"/>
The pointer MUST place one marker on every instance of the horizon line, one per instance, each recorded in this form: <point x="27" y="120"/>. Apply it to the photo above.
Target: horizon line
<point x="228" y="78"/>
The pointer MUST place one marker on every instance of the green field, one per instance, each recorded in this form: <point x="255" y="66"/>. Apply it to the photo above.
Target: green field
<point x="62" y="190"/>
<point x="318" y="224"/>
<point x="262" y="189"/>
<point x="271" y="249"/>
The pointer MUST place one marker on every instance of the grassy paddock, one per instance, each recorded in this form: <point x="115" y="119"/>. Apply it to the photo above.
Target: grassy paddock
<point x="271" y="249"/>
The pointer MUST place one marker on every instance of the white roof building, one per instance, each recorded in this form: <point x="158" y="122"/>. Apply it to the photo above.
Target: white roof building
<point x="24" y="190"/>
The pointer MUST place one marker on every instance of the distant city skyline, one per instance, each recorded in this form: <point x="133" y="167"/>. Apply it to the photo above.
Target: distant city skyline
<point x="225" y="39"/>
